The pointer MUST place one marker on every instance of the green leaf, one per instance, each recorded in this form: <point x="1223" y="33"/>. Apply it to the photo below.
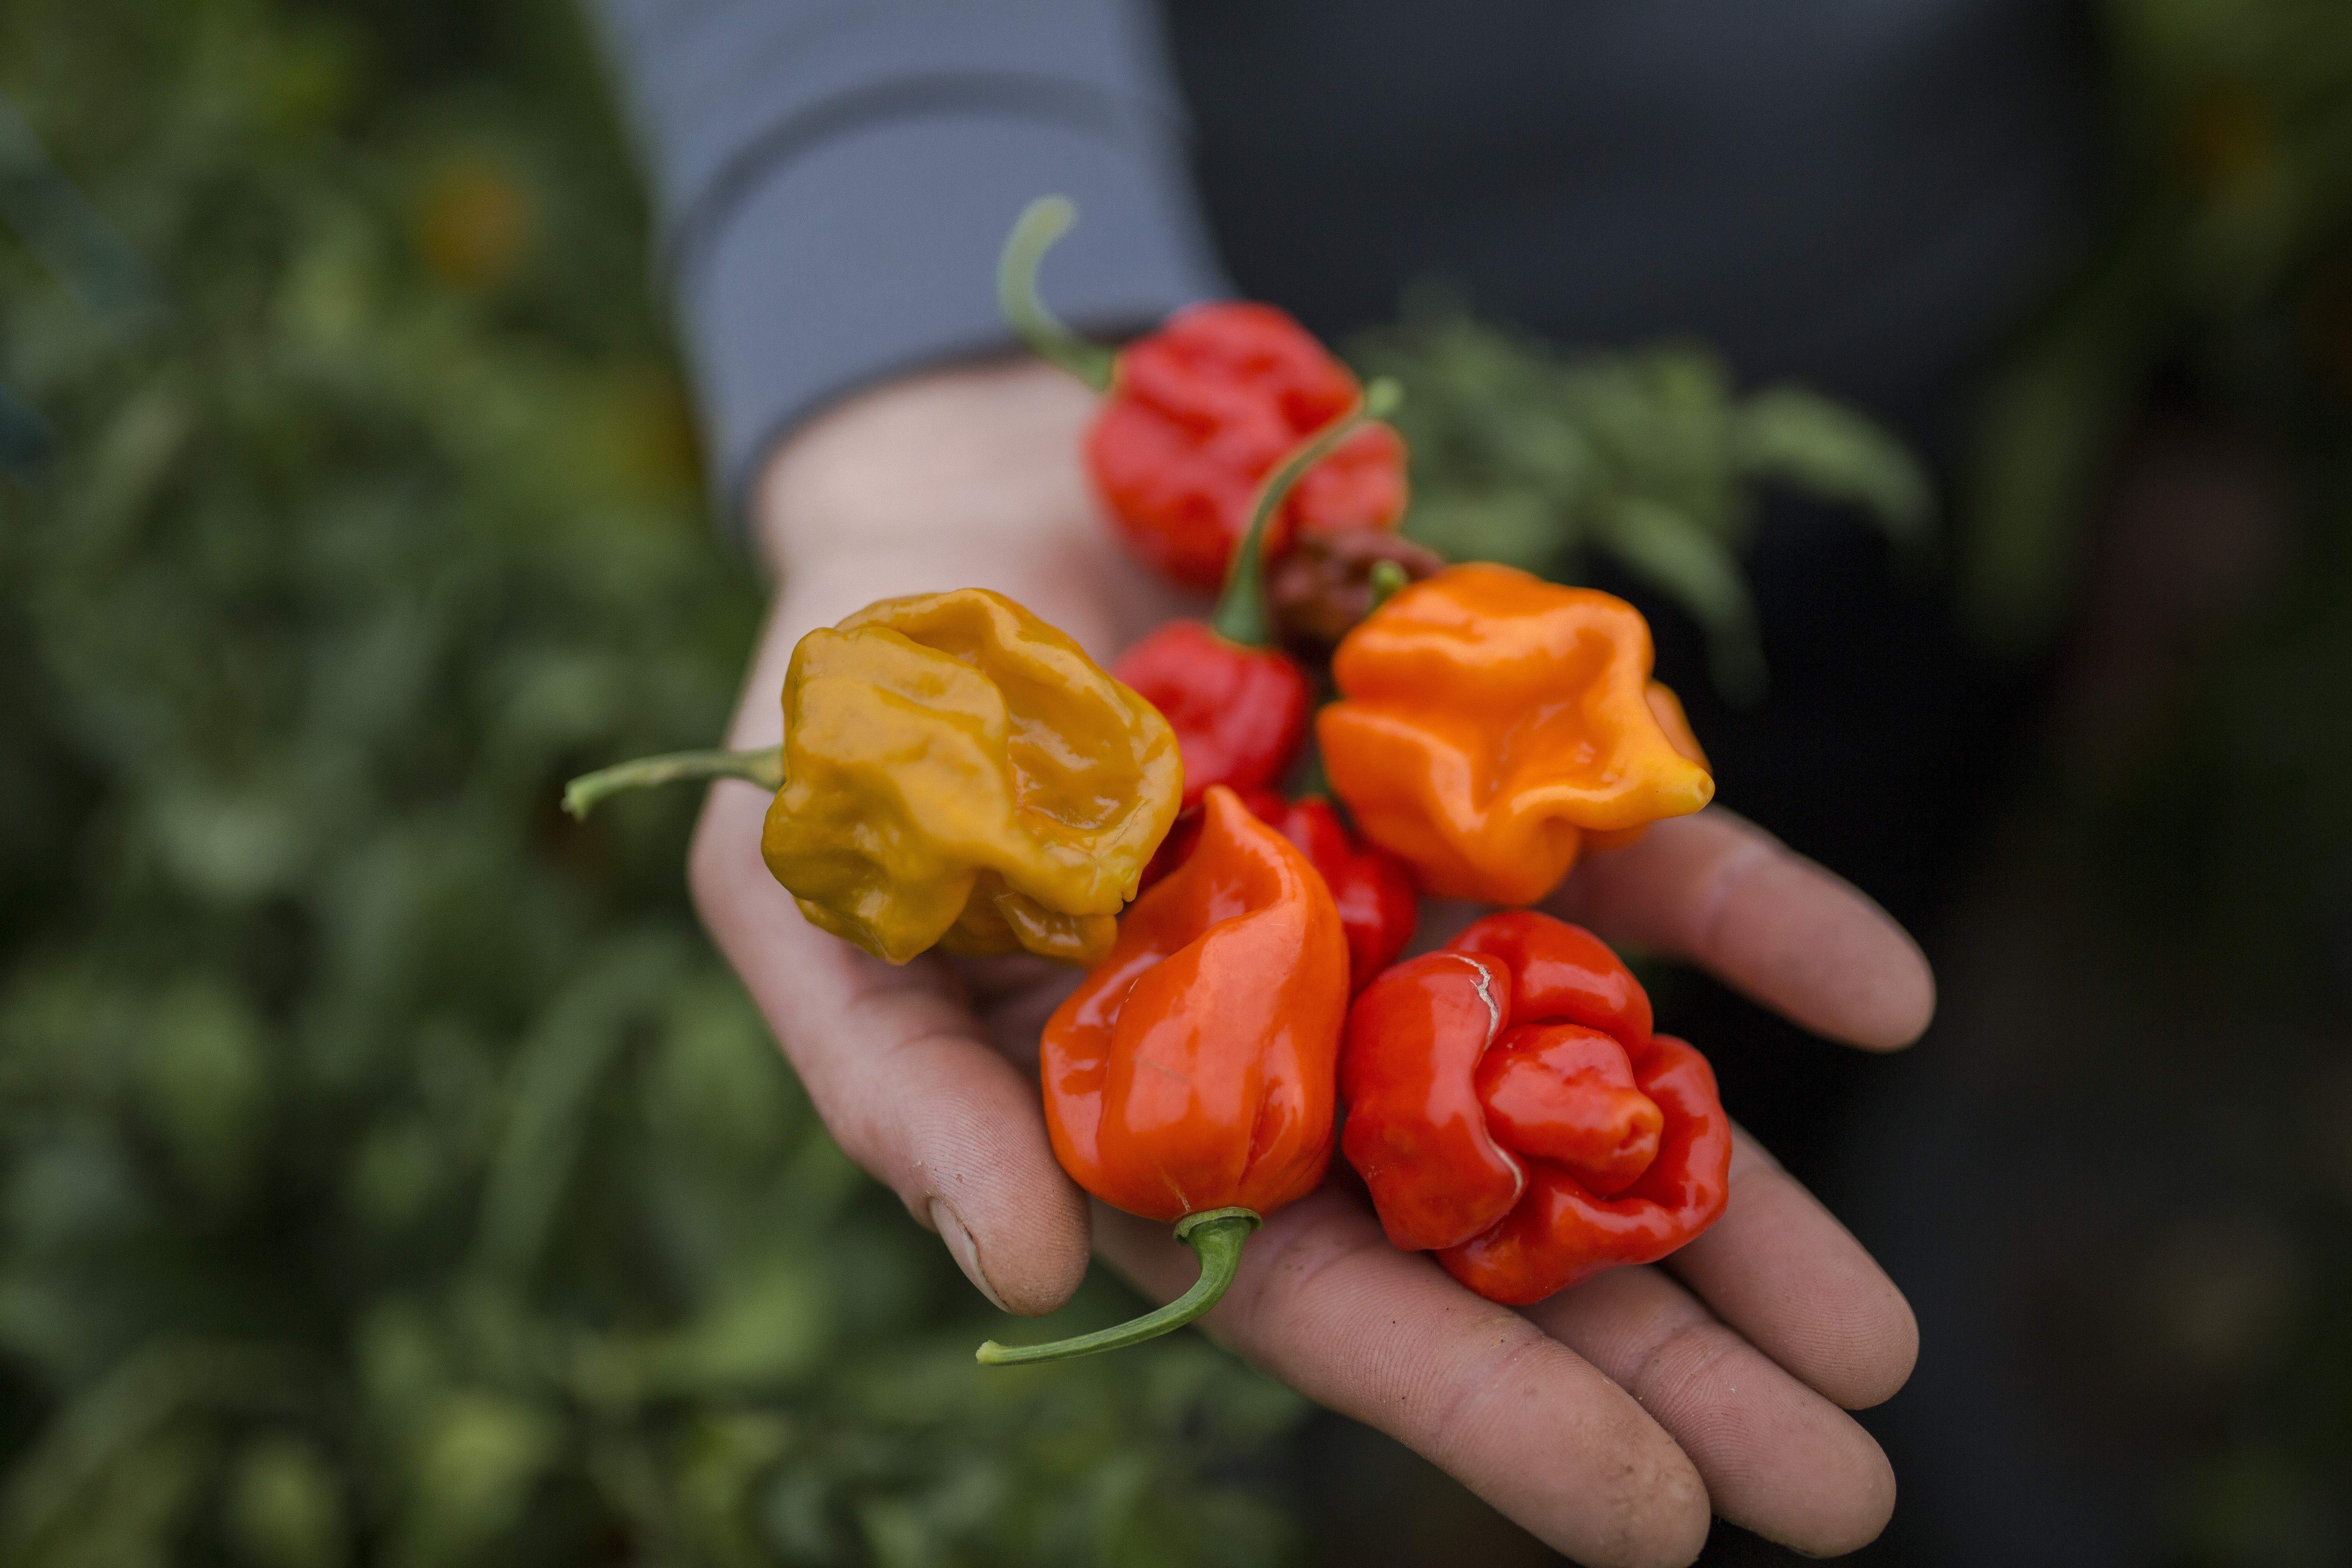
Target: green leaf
<point x="765" y="1329"/>
<point x="129" y="1436"/>
<point x="1826" y="449"/>
<point x="1516" y="527"/>
<point x="1697" y="570"/>
<point x="474" y="1460"/>
<point x="1658" y="416"/>
<point x="206" y="1083"/>
<point x="562" y="1066"/>
<point x="285" y="1505"/>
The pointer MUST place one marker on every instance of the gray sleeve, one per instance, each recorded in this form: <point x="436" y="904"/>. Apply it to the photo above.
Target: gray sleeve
<point x="832" y="179"/>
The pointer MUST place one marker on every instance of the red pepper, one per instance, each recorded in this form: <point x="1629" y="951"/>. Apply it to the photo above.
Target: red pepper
<point x="1237" y="702"/>
<point x="1190" y="1079"/>
<point x="1377" y="903"/>
<point x="1184" y="833"/>
<point x="1510" y="1109"/>
<point x="1239" y="712"/>
<point x="1197" y="413"/>
<point x="1239" y="706"/>
<point x="1201" y="410"/>
<point x="1375" y="898"/>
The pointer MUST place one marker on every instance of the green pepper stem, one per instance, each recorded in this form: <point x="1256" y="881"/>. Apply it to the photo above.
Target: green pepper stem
<point x="1041" y="223"/>
<point x="764" y="768"/>
<point x="1242" y="615"/>
<point x="1215" y="1236"/>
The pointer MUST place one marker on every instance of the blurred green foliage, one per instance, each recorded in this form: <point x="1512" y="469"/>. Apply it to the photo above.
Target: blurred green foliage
<point x="2197" y="859"/>
<point x="2227" y="258"/>
<point x="388" y="1172"/>
<point x="2219" y="309"/>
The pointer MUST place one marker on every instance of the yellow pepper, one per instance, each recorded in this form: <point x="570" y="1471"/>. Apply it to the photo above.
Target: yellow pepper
<point x="1492" y="724"/>
<point x="958" y="773"/>
<point x="955" y="773"/>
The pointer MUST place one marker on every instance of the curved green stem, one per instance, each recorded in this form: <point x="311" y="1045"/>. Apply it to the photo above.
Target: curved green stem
<point x="1242" y="615"/>
<point x="1041" y="223"/>
<point x="764" y="768"/>
<point x="1388" y="580"/>
<point x="1215" y="1236"/>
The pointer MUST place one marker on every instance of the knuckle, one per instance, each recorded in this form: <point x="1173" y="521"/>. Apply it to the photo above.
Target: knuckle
<point x="1673" y="1375"/>
<point x="1640" y="1501"/>
<point x="1499" y="1376"/>
<point x="1284" y="1284"/>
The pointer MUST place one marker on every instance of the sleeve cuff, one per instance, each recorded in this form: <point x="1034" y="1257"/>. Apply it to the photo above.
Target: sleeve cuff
<point x="873" y="254"/>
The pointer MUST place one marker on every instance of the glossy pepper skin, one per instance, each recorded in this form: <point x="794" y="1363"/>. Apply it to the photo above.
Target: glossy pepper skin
<point x="957" y="772"/>
<point x="1510" y="1109"/>
<point x="1490" y="722"/>
<point x="1197" y="415"/>
<point x="1373" y="893"/>
<point x="1372" y="889"/>
<point x="1201" y="411"/>
<point x="1239" y="712"/>
<point x="1194" y="1070"/>
<point x="1237" y="703"/>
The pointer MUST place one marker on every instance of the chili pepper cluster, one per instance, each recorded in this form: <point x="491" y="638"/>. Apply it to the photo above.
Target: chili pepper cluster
<point x="956" y="773"/>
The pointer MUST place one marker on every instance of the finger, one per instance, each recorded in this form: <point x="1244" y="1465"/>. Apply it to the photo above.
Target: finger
<point x="1781" y="1270"/>
<point x="899" y="1069"/>
<point x="1013" y="996"/>
<point x="1324" y="1303"/>
<point x="1776" y="1458"/>
<point x="1721" y="892"/>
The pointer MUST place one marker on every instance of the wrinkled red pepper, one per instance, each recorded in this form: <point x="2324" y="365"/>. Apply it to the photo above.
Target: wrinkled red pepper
<point x="1197" y="413"/>
<point x="1511" y="1110"/>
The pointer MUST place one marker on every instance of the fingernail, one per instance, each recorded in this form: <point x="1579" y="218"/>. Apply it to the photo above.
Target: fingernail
<point x="961" y="1247"/>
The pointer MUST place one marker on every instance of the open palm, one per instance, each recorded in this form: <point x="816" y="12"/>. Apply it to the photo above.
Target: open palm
<point x="1608" y="1420"/>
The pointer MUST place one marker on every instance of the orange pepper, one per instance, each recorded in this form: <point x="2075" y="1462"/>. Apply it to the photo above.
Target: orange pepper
<point x="1492" y="724"/>
<point x="1192" y="1076"/>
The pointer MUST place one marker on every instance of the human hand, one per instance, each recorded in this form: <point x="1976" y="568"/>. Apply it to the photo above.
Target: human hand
<point x="1608" y="1420"/>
